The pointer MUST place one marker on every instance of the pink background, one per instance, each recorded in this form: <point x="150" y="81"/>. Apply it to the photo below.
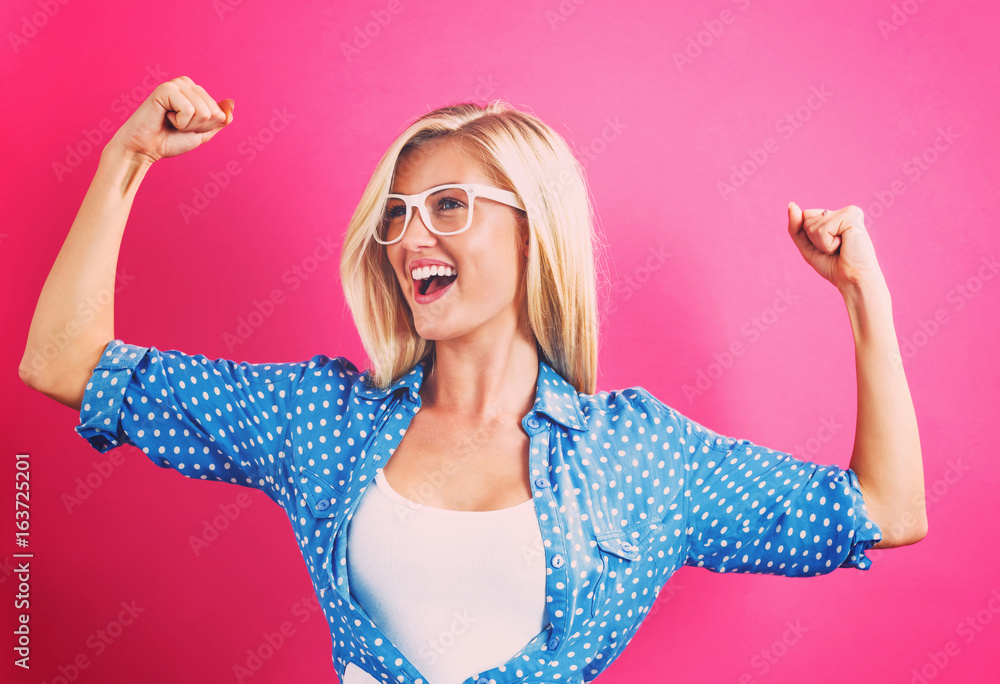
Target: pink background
<point x="681" y="128"/>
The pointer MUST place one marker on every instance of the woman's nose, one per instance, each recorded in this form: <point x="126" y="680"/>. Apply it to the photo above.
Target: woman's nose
<point x="416" y="232"/>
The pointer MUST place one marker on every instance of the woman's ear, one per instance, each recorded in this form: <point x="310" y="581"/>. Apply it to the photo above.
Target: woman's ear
<point x="525" y="234"/>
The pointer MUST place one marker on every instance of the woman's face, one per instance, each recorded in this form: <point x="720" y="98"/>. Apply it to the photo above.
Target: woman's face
<point x="484" y="301"/>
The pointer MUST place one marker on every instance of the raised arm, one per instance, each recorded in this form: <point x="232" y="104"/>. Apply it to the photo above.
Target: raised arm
<point x="886" y="457"/>
<point x="74" y="317"/>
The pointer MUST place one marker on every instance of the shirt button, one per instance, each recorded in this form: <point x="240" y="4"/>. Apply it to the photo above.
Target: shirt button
<point x="533" y="422"/>
<point x="482" y="680"/>
<point x="553" y="643"/>
<point x="322" y="504"/>
<point x="557" y="561"/>
<point x="627" y="546"/>
<point x="541" y="483"/>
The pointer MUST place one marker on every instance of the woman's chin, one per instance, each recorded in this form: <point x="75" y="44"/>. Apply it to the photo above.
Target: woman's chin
<point x="430" y="332"/>
<point x="437" y="330"/>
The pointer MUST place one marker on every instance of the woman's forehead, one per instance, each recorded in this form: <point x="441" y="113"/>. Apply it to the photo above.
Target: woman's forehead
<point x="440" y="163"/>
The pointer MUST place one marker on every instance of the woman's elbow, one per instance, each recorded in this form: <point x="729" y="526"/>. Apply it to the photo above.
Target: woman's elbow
<point x="908" y="528"/>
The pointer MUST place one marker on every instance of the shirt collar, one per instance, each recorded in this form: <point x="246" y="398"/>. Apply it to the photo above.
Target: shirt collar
<point x="554" y="396"/>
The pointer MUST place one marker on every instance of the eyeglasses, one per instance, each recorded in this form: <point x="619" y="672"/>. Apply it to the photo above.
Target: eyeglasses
<point x="444" y="209"/>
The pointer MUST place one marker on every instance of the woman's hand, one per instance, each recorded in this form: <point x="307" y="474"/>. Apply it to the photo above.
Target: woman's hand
<point x="177" y="117"/>
<point x="836" y="244"/>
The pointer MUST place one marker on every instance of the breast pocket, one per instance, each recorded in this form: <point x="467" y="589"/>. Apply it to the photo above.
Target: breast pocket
<point x="320" y="514"/>
<point x="322" y="494"/>
<point x="626" y="557"/>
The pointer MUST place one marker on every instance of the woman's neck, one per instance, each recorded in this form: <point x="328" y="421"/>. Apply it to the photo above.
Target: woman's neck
<point x="479" y="381"/>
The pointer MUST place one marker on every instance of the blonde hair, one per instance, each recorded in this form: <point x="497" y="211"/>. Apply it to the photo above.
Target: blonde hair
<point x="522" y="154"/>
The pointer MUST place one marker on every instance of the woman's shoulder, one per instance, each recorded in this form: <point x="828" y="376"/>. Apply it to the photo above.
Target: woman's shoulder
<point x="635" y="400"/>
<point x="637" y="407"/>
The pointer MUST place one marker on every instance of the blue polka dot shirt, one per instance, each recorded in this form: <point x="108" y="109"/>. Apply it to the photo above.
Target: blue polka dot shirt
<point x="626" y="490"/>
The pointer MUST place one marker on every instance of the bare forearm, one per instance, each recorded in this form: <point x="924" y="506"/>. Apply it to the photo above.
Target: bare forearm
<point x="74" y="316"/>
<point x="886" y="457"/>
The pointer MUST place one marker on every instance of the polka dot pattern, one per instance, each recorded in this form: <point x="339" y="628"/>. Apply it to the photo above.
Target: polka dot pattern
<point x="626" y="490"/>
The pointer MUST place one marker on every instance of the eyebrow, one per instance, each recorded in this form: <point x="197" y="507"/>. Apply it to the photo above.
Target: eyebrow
<point x="397" y="192"/>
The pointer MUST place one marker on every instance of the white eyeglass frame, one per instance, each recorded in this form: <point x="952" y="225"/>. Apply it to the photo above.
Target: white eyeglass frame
<point x="474" y="190"/>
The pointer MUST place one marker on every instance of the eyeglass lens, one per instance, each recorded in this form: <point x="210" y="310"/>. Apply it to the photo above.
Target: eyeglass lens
<point x="448" y="210"/>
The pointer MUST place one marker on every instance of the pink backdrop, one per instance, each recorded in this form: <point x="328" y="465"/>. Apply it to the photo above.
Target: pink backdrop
<point x="697" y="124"/>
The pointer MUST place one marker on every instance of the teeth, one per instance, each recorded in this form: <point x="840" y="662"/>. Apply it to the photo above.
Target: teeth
<point x="428" y="271"/>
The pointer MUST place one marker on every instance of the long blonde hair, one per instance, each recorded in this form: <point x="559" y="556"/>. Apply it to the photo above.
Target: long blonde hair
<point x="522" y="154"/>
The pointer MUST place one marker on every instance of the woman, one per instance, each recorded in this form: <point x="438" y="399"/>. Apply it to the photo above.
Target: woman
<point x="524" y="524"/>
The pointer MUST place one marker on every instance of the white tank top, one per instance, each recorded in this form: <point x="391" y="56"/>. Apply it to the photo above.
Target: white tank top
<point x="457" y="592"/>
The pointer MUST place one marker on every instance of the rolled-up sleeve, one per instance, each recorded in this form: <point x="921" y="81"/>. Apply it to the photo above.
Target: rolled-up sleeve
<point x="753" y="509"/>
<point x="212" y="420"/>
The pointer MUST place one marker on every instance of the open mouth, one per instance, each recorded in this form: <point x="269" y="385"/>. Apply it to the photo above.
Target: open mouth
<point x="433" y="284"/>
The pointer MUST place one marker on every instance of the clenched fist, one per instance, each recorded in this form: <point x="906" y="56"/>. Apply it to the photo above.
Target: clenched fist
<point x="178" y="116"/>
<point x="836" y="244"/>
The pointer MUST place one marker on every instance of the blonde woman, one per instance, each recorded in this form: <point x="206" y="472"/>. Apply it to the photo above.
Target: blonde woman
<point x="471" y="509"/>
